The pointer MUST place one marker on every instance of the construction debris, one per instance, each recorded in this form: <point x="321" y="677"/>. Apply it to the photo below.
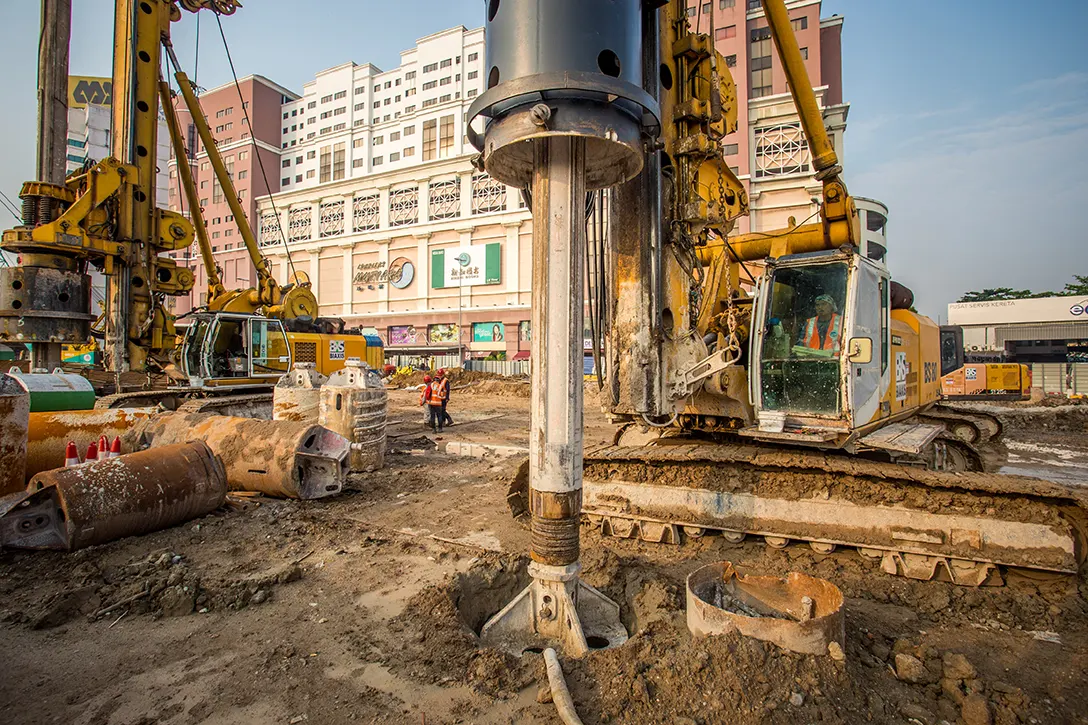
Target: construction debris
<point x="79" y="506"/>
<point x="14" y="415"/>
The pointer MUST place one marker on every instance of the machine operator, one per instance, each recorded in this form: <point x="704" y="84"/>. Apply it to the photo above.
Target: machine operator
<point x="822" y="331"/>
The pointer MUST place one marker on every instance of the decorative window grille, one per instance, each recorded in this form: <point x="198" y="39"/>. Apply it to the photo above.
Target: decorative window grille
<point x="332" y="219"/>
<point x="488" y="194"/>
<point x="298" y="224"/>
<point x="445" y="200"/>
<point x="270" y="230"/>
<point x="781" y="150"/>
<point x="403" y="206"/>
<point x="365" y="212"/>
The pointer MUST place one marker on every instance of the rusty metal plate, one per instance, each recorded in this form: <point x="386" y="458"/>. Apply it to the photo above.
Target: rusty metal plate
<point x="799" y="613"/>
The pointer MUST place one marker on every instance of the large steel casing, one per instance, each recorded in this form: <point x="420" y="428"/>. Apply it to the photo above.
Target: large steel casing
<point x="582" y="61"/>
<point x="297" y="395"/>
<point x="278" y="458"/>
<point x="14" y="420"/>
<point x="353" y="403"/>
<point x="43" y="304"/>
<point x="71" y="508"/>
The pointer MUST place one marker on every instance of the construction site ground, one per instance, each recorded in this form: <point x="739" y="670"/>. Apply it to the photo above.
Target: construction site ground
<point x="364" y="608"/>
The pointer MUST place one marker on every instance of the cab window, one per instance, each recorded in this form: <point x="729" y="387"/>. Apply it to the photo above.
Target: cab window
<point x="802" y="339"/>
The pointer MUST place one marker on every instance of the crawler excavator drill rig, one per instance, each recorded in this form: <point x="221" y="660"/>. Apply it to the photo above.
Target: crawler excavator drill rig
<point x="742" y="414"/>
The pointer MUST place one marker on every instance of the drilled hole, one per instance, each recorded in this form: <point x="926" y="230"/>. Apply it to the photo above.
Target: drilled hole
<point x="667" y="321"/>
<point x="63" y="297"/>
<point x="609" y="63"/>
<point x="143" y="106"/>
<point x="163" y="275"/>
<point x="145" y="8"/>
<point x="16" y="304"/>
<point x="339" y="401"/>
<point x="137" y="282"/>
<point x="140" y="196"/>
<point x="16" y="285"/>
<point x="144" y="56"/>
<point x="493" y="77"/>
<point x="141" y="151"/>
<point x="533" y="651"/>
<point x="310" y="441"/>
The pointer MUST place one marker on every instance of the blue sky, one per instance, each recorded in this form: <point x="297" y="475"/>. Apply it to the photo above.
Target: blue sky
<point x="968" y="118"/>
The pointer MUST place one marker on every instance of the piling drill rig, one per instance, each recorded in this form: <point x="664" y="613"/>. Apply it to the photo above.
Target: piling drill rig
<point x="105" y="217"/>
<point x="740" y="414"/>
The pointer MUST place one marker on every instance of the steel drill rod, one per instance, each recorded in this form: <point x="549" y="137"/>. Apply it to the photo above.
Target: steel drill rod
<point x="555" y="443"/>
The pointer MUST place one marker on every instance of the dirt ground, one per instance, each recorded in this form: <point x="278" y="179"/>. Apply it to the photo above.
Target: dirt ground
<point x="365" y="608"/>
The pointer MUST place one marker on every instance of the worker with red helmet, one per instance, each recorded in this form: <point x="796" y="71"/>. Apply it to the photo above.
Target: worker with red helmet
<point x="431" y="397"/>
<point x="444" y="390"/>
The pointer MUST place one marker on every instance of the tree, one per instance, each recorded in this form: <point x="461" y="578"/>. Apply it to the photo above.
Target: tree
<point x="995" y="293"/>
<point x="1079" y="286"/>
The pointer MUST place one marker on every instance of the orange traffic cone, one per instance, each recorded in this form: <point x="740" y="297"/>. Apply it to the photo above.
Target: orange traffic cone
<point x="115" y="447"/>
<point x="92" y="453"/>
<point x="71" y="455"/>
<point x="103" y="448"/>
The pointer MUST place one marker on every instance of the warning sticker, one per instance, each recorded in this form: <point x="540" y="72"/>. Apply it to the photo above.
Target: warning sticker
<point x="902" y="368"/>
<point x="971" y="373"/>
<point x="336" y="349"/>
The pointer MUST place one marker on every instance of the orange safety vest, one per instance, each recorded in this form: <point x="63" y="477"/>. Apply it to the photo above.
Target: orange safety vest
<point x="443" y="388"/>
<point x="812" y="334"/>
<point x="430" y="395"/>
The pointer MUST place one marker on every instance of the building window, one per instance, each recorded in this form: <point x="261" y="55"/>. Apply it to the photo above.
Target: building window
<point x="429" y="85"/>
<point x="326" y="99"/>
<point x="430" y="68"/>
<point x="311" y="104"/>
<point x="286" y="163"/>
<point x="359" y="106"/>
<point x="691" y="11"/>
<point x="445" y="199"/>
<point x="754" y="5"/>
<point x="781" y="150"/>
<point x="427" y="103"/>
<point x="761" y="62"/>
<point x="394" y="136"/>
<point x="446" y="63"/>
<point x="731" y="61"/>
<point x="311" y="154"/>
<point x="298" y="223"/>
<point x="410" y="151"/>
<point x="387" y="101"/>
<point x="217" y="193"/>
<point x="799" y="24"/>
<point x="445" y="81"/>
<point x="285" y="115"/>
<point x="729" y="31"/>
<point x="285" y="181"/>
<point x="358" y="163"/>
<point x="473" y="56"/>
<point x="472" y="75"/>
<point x="242" y="174"/>
<point x="358" y="143"/>
<point x="729" y="149"/>
<point x="326" y="164"/>
<point x="804" y="53"/>
<point x="378" y="161"/>
<point x="330" y="219"/>
<point x="310" y="174"/>
<point x="444" y="98"/>
<point x="471" y="93"/>
<point x="403" y="206"/>
<point x="395" y="156"/>
<point x="445" y="137"/>
<point x="488" y="195"/>
<point x="409" y="92"/>
<point x="410" y="75"/>
<point x="340" y="111"/>
<point x="377" y="104"/>
<point x="430" y="139"/>
<point x="337" y="127"/>
<point x="706" y="8"/>
<point x="339" y="94"/>
<point x="365" y="212"/>
<point x="379" y="140"/>
<point x="298" y="179"/>
<point x="726" y="4"/>
<point x="360" y="89"/>
<point x="338" y="154"/>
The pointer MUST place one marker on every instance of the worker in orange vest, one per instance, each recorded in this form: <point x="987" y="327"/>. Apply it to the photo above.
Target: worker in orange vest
<point x="444" y="391"/>
<point x="431" y="397"/>
<point x="822" y="331"/>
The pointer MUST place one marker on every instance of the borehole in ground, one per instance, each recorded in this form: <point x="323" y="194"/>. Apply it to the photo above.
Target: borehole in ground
<point x="485" y="589"/>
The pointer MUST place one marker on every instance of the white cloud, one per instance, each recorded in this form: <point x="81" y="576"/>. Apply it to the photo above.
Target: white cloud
<point x="993" y="203"/>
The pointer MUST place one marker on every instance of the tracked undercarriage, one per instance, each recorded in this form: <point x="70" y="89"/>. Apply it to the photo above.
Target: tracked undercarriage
<point x="968" y="528"/>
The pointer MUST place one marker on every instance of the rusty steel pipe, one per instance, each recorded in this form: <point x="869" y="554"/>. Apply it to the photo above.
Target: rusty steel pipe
<point x="71" y="508"/>
<point x="49" y="432"/>
<point x="279" y="458"/>
<point x="14" y="414"/>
